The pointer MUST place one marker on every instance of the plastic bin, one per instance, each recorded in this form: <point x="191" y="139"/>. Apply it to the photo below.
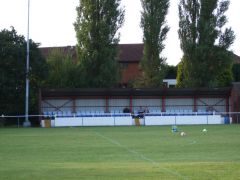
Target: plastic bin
<point x="47" y="123"/>
<point x="226" y="120"/>
<point x="137" y="121"/>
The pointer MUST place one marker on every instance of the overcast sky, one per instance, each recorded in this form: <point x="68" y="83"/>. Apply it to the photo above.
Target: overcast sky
<point x="51" y="23"/>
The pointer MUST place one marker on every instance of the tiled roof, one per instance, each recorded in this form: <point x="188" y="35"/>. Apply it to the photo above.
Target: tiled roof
<point x="130" y="52"/>
<point x="127" y="52"/>
<point x="68" y="49"/>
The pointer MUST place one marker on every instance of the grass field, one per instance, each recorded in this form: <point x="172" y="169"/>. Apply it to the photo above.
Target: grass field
<point x="120" y="153"/>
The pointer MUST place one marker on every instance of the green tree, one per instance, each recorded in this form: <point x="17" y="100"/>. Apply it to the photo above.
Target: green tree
<point x="97" y="24"/>
<point x="182" y="73"/>
<point x="236" y="72"/>
<point x="13" y="71"/>
<point x="205" y="42"/>
<point x="171" y="72"/>
<point x="153" y="23"/>
<point x="63" y="70"/>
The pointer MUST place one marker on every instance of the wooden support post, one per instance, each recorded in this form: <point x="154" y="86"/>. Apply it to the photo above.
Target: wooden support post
<point x="195" y="104"/>
<point x="227" y="104"/>
<point x="106" y="104"/>
<point x="130" y="103"/>
<point x="163" y="104"/>
<point x="74" y="105"/>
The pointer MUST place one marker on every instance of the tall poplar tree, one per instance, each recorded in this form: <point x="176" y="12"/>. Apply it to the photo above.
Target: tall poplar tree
<point x="153" y="23"/>
<point x="205" y="43"/>
<point x="97" y="25"/>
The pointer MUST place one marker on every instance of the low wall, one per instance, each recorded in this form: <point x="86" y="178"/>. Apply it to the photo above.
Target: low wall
<point x="98" y="120"/>
<point x="127" y="120"/>
<point x="183" y="120"/>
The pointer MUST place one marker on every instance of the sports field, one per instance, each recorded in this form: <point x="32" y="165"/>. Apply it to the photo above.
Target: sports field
<point x="120" y="153"/>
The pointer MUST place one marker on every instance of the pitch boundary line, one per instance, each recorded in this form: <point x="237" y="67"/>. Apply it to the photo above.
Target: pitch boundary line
<point x="139" y="155"/>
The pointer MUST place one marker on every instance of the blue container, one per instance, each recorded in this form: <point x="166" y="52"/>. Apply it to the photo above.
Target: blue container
<point x="226" y="120"/>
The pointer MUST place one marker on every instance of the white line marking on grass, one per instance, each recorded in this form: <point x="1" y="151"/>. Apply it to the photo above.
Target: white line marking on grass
<point x="194" y="142"/>
<point x="139" y="154"/>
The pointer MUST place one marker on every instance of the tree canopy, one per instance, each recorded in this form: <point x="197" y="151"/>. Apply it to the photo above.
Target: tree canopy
<point x="236" y="72"/>
<point x="63" y="70"/>
<point x="13" y="73"/>
<point x="205" y="42"/>
<point x="97" y="25"/>
<point x="153" y="23"/>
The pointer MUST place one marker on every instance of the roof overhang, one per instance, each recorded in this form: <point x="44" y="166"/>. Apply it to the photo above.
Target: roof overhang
<point x="180" y="92"/>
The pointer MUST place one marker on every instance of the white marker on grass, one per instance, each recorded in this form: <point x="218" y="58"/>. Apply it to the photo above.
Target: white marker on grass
<point x="183" y="134"/>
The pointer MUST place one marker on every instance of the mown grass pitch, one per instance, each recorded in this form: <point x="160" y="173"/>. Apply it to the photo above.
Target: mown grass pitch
<point x="120" y="153"/>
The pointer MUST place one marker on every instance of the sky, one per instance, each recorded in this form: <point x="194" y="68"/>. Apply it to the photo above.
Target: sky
<point x="51" y="23"/>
